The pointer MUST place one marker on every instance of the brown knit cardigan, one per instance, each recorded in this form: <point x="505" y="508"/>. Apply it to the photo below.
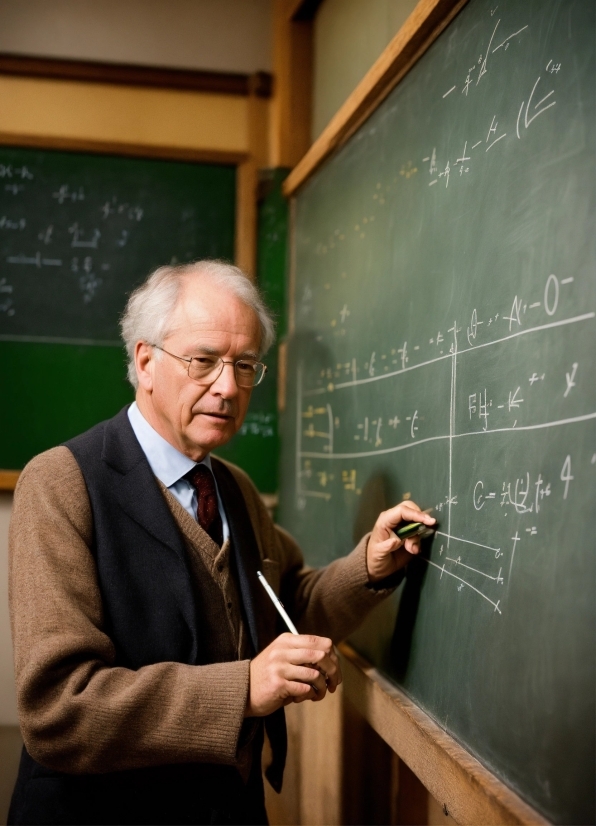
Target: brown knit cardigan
<point x="79" y="712"/>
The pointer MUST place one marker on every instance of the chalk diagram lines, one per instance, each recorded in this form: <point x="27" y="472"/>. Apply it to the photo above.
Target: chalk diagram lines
<point x="314" y="430"/>
<point x="315" y="425"/>
<point x="382" y="376"/>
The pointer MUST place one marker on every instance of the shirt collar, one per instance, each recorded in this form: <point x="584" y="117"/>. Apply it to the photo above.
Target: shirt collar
<point x="167" y="463"/>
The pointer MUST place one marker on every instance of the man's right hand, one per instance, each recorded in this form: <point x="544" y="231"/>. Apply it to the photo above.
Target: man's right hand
<point x="289" y="670"/>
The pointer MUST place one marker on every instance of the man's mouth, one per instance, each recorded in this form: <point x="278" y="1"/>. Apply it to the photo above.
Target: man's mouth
<point x="220" y="416"/>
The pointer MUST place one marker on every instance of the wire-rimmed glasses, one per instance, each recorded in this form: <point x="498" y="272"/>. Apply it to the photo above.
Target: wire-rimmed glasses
<point x="207" y="369"/>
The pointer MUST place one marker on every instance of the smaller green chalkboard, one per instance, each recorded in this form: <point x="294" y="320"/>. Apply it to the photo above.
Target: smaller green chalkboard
<point x="78" y="232"/>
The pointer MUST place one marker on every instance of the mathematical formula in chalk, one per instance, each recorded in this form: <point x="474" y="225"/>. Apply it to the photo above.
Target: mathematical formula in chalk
<point x="512" y="367"/>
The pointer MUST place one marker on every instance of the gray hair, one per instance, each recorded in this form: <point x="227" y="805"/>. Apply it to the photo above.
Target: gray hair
<point x="149" y="309"/>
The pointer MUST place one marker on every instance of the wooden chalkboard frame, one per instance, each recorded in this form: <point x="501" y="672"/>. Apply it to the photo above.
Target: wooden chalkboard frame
<point x="246" y="191"/>
<point x="420" y="30"/>
<point x="465" y="789"/>
<point x="461" y="784"/>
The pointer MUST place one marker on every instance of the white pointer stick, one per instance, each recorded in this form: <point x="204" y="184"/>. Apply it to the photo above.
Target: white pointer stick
<point x="284" y="615"/>
<point x="277" y="603"/>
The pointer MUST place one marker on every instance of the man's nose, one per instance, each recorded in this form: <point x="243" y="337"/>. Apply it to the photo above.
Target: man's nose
<point x="225" y="385"/>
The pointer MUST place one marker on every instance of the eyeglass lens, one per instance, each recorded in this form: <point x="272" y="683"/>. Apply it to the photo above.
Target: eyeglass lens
<point x="204" y="368"/>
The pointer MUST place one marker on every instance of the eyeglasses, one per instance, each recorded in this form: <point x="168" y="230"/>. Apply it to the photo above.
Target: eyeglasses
<point x="207" y="369"/>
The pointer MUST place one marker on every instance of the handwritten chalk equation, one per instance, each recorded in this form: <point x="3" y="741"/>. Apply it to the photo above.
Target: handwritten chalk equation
<point x="6" y="300"/>
<point x="36" y="260"/>
<point x="326" y="468"/>
<point x="528" y="112"/>
<point x="64" y="194"/>
<point x="113" y="206"/>
<point x="536" y="101"/>
<point x="12" y="224"/>
<point x="9" y="171"/>
<point x="83" y="240"/>
<point x="259" y="424"/>
<point x="499" y="379"/>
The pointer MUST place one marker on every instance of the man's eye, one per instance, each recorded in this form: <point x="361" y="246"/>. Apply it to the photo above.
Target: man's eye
<point x="204" y="361"/>
<point x="245" y="367"/>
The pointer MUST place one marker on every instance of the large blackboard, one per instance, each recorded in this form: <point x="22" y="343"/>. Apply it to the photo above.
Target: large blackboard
<point x="444" y="338"/>
<point x="77" y="233"/>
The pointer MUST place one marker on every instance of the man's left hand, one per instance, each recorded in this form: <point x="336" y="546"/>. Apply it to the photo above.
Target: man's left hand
<point x="386" y="552"/>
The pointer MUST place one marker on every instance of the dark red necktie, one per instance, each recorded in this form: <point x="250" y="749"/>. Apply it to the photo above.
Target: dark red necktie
<point x="201" y="478"/>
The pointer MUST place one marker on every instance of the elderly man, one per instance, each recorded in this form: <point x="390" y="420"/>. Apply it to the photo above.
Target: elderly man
<point x="149" y="661"/>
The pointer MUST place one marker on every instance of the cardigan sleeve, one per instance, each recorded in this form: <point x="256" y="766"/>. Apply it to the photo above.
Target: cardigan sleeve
<point x="79" y="712"/>
<point x="331" y="601"/>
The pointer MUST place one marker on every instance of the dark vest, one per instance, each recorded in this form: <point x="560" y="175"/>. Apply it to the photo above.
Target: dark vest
<point x="151" y="615"/>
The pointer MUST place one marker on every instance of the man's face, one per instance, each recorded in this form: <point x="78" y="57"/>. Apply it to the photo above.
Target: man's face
<point x="196" y="419"/>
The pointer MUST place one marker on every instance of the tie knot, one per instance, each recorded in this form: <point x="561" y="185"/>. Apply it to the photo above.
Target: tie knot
<point x="201" y="478"/>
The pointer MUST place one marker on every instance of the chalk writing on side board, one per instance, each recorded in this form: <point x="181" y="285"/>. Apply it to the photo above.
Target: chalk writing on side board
<point x="78" y="232"/>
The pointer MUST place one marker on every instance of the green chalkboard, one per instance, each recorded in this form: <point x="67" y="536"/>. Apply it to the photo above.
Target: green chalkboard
<point x="445" y="330"/>
<point x="256" y="445"/>
<point x="77" y="233"/>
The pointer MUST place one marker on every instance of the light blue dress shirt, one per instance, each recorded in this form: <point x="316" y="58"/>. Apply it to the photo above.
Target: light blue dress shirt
<point x="169" y="465"/>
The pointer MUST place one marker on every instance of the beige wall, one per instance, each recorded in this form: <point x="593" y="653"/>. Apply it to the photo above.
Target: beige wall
<point x="220" y="35"/>
<point x="349" y="35"/>
<point x="121" y="114"/>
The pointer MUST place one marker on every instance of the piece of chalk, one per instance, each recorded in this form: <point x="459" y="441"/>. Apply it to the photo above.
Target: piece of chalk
<point x="416" y="529"/>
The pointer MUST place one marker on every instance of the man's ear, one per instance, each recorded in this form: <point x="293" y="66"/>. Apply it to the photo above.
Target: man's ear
<point x="144" y="364"/>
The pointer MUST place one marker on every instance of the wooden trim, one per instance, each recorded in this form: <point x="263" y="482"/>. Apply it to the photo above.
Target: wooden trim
<point x="223" y="83"/>
<point x="422" y="27"/>
<point x="303" y="9"/>
<point x="258" y="131"/>
<point x="292" y="268"/>
<point x="284" y="808"/>
<point x="171" y="153"/>
<point x="9" y="479"/>
<point x="321" y="752"/>
<point x="246" y="217"/>
<point x="292" y="99"/>
<point x="282" y="375"/>
<point x="468" y="791"/>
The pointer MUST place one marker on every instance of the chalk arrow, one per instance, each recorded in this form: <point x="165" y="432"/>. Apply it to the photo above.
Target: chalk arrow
<point x="513" y="400"/>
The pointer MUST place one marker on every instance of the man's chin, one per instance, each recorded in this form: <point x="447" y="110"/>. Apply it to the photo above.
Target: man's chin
<point x="211" y="437"/>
